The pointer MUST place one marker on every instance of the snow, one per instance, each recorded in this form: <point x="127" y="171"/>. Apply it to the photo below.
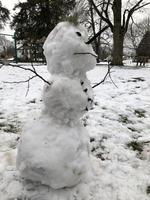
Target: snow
<point x="120" y="116"/>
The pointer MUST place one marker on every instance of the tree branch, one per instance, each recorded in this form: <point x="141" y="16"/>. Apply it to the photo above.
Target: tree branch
<point x="107" y="20"/>
<point x="97" y="34"/>
<point x="86" y="53"/>
<point x="124" y="17"/>
<point x="132" y="10"/>
<point x="26" y="81"/>
<point x="105" y="77"/>
<point x="142" y="6"/>
<point x="106" y="10"/>
<point x="33" y="70"/>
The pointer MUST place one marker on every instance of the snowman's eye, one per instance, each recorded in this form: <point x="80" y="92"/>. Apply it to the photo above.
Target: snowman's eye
<point x="79" y="34"/>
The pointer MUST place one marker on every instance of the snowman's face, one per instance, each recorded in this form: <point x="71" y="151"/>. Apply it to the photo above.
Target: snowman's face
<point x="66" y="50"/>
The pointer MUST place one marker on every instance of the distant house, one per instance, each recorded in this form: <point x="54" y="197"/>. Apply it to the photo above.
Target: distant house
<point x="143" y="50"/>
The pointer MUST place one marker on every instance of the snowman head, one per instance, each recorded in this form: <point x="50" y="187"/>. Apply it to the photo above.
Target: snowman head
<point x="66" y="50"/>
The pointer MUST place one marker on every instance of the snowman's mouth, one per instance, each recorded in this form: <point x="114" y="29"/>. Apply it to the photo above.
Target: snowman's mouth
<point x="86" y="53"/>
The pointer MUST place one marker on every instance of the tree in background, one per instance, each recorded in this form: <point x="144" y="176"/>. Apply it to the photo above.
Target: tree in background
<point x="118" y="22"/>
<point x="37" y="18"/>
<point x="4" y="15"/>
<point x="6" y="48"/>
<point x="143" y="49"/>
<point x="33" y="21"/>
<point x="135" y="33"/>
<point x="97" y="28"/>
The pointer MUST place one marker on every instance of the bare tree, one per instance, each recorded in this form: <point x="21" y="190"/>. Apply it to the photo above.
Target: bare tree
<point x="118" y="23"/>
<point x="94" y="24"/>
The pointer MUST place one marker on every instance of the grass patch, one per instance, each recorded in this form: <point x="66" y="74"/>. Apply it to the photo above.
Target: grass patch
<point x="132" y="129"/>
<point x="96" y="103"/>
<point x="10" y="125"/>
<point x="104" y="108"/>
<point x="2" y="124"/>
<point x="148" y="189"/>
<point x="11" y="128"/>
<point x="139" y="79"/>
<point x="1" y="117"/>
<point x="92" y="139"/>
<point x="124" y="119"/>
<point x="137" y="87"/>
<point x="100" y="156"/>
<point x="98" y="148"/>
<point x="85" y="120"/>
<point x="135" y="146"/>
<point x="136" y="79"/>
<point x="140" y="113"/>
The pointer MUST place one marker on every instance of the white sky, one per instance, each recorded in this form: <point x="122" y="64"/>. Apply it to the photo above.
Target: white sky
<point x="9" y="4"/>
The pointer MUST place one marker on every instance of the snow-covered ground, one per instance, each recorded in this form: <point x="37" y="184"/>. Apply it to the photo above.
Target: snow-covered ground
<point x="119" y="127"/>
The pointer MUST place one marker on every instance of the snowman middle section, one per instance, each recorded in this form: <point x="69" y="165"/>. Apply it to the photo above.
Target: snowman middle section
<point x="54" y="149"/>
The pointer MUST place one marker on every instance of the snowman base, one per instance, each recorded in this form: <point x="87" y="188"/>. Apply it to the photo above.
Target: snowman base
<point x="13" y="187"/>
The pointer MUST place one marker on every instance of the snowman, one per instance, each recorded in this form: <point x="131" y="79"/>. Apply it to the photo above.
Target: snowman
<point x="53" y="150"/>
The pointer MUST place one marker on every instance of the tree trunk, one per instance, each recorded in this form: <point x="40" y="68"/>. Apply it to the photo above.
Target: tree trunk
<point x="118" y="40"/>
<point x="118" y="34"/>
<point x="99" y="42"/>
<point x="94" y="31"/>
<point x="97" y="50"/>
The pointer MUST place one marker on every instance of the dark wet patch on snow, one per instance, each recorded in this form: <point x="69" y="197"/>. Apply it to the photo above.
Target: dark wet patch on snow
<point x="148" y="189"/>
<point x="135" y="146"/>
<point x="140" y="113"/>
<point x="10" y="124"/>
<point x="136" y="79"/>
<point x="124" y="119"/>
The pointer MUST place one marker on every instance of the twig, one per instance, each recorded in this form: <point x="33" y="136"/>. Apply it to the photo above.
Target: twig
<point x="33" y="67"/>
<point x="146" y="142"/>
<point x="112" y="80"/>
<point x="85" y="53"/>
<point x="108" y="74"/>
<point x="28" y="88"/>
<point x="26" y="81"/>
<point x="33" y="70"/>
<point x="102" y="81"/>
<point x="96" y="35"/>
